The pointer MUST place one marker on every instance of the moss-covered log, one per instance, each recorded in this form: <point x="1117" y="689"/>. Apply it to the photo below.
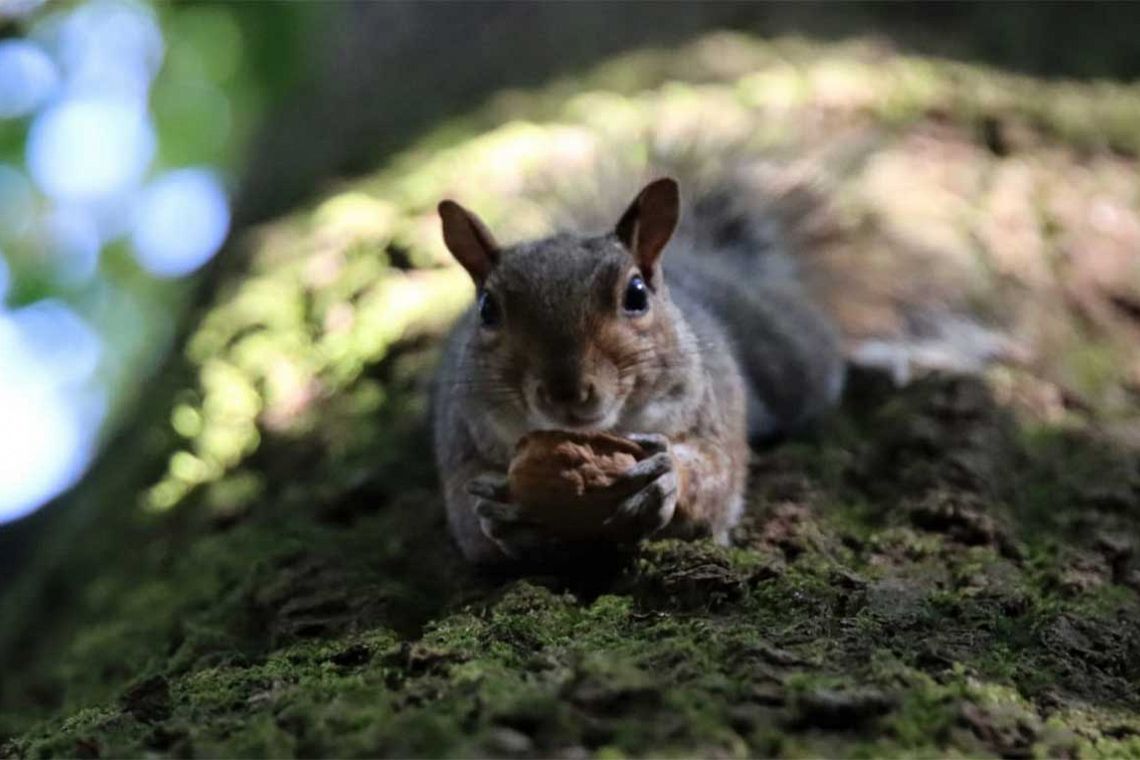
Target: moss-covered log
<point x="946" y="567"/>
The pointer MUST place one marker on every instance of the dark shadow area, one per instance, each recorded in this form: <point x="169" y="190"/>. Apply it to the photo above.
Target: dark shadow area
<point x="384" y="71"/>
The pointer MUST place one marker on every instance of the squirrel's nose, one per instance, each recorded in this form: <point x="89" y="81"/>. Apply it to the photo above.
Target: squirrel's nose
<point x="566" y="394"/>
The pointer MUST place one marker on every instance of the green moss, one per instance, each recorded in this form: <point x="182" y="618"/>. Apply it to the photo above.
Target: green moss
<point x="930" y="646"/>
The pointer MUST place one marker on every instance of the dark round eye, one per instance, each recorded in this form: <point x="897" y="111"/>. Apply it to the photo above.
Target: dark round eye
<point x="636" y="298"/>
<point x="490" y="315"/>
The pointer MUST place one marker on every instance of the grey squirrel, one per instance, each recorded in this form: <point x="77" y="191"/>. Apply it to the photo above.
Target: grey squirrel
<point x="691" y="354"/>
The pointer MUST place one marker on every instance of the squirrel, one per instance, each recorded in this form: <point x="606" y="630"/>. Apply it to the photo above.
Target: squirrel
<point x="692" y="352"/>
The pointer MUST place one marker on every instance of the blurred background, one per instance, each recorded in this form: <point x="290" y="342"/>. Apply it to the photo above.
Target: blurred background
<point x="122" y="127"/>
<point x="134" y="135"/>
<point x="222" y="285"/>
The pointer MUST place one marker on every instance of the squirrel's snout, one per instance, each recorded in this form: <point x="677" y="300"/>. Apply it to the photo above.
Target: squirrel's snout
<point x="572" y="402"/>
<point x="569" y="394"/>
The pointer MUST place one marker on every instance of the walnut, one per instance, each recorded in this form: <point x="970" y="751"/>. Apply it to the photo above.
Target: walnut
<point x="566" y="480"/>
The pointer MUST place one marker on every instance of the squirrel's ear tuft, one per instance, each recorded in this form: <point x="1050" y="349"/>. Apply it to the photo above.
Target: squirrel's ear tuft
<point x="469" y="240"/>
<point x="648" y="223"/>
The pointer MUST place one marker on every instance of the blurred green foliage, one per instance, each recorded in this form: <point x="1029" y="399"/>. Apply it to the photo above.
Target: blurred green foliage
<point x="126" y="124"/>
<point x="223" y="66"/>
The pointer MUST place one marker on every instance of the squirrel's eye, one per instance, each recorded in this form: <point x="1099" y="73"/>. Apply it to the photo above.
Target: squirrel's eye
<point x="636" y="299"/>
<point x="489" y="314"/>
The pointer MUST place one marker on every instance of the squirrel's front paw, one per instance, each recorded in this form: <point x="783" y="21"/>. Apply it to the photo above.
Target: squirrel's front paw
<point x="503" y="522"/>
<point x="653" y="482"/>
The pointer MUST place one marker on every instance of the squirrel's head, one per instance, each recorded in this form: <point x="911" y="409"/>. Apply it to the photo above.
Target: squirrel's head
<point x="569" y="328"/>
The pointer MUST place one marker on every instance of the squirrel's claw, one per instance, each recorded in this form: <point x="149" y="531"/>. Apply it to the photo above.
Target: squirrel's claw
<point x="646" y="471"/>
<point x="652" y="443"/>
<point x="490" y="485"/>
<point x="516" y="538"/>
<point x="497" y="511"/>
<point x="650" y="509"/>
<point x="503" y="522"/>
<point x="652" y="484"/>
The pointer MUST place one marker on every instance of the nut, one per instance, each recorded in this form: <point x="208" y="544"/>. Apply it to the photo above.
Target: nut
<point x="566" y="480"/>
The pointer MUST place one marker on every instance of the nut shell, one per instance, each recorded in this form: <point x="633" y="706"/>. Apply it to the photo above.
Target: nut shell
<point x="566" y="480"/>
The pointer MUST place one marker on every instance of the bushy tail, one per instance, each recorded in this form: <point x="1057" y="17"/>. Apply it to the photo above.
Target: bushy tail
<point x="761" y="214"/>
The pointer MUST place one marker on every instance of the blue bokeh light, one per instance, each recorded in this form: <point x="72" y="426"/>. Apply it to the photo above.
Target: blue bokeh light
<point x="181" y="221"/>
<point x="111" y="48"/>
<point x="43" y="450"/>
<point x="58" y="343"/>
<point x="71" y="239"/>
<point x="28" y="77"/>
<point x="91" y="147"/>
<point x="82" y="82"/>
<point x="47" y="356"/>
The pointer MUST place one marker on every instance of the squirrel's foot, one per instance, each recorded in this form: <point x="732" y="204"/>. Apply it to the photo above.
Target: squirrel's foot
<point x="653" y="482"/>
<point x="503" y="522"/>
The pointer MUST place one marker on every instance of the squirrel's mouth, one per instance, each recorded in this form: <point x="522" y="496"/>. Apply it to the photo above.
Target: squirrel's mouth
<point x="570" y="420"/>
<point x="584" y="421"/>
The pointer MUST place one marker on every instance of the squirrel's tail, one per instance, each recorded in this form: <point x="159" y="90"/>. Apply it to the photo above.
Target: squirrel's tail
<point x="780" y="224"/>
<point x="765" y="221"/>
<point x="761" y="215"/>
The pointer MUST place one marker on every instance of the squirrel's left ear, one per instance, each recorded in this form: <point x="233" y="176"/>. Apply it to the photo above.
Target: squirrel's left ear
<point x="469" y="240"/>
<point x="648" y="223"/>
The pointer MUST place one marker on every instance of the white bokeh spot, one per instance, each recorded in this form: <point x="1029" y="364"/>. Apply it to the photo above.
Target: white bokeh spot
<point x="47" y="355"/>
<point x="181" y="221"/>
<point x="110" y="47"/>
<point x="88" y="148"/>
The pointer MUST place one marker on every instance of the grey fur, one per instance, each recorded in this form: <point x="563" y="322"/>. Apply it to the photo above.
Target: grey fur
<point x="738" y="323"/>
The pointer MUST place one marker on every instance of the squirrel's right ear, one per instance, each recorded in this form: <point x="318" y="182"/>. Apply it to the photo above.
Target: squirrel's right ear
<point x="469" y="240"/>
<point x="648" y="223"/>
